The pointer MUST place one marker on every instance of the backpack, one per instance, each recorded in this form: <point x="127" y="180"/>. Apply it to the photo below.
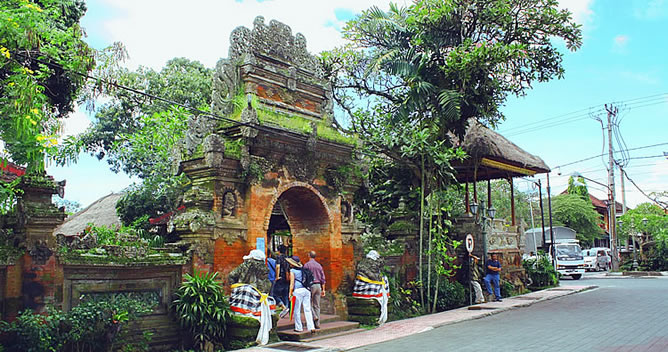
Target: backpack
<point x="307" y="278"/>
<point x="285" y="268"/>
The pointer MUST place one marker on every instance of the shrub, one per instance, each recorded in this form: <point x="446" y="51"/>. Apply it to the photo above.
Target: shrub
<point x="202" y="309"/>
<point x="90" y="326"/>
<point x="541" y="272"/>
<point x="450" y="295"/>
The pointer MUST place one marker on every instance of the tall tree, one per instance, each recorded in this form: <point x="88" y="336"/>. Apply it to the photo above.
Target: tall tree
<point x="137" y="134"/>
<point x="41" y="46"/>
<point x="578" y="186"/>
<point x="181" y="80"/>
<point x="578" y="214"/>
<point x="413" y="76"/>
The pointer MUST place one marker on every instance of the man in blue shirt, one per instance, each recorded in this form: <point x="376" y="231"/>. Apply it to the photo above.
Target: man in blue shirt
<point x="493" y="270"/>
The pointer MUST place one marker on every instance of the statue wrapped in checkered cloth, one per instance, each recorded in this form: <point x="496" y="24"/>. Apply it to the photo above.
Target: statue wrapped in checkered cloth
<point x="370" y="284"/>
<point x="250" y="293"/>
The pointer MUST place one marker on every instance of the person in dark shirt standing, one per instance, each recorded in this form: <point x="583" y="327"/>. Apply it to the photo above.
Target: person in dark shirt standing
<point x="318" y="286"/>
<point x="492" y="277"/>
<point x="282" y="283"/>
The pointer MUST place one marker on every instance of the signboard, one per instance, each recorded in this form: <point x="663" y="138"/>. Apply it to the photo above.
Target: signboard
<point x="469" y="243"/>
<point x="259" y="244"/>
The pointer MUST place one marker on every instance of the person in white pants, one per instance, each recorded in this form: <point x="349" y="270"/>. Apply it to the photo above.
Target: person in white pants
<point x="302" y="296"/>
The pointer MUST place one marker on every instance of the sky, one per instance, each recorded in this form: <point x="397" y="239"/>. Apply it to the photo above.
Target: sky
<point x="622" y="63"/>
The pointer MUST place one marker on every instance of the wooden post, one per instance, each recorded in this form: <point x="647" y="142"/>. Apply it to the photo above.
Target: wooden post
<point x="512" y="201"/>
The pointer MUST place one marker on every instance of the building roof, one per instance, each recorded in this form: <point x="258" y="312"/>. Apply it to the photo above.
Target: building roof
<point x="101" y="212"/>
<point x="492" y="156"/>
<point x="10" y="171"/>
<point x="600" y="204"/>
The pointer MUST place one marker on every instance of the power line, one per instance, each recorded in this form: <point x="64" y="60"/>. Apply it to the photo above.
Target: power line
<point x="581" y="115"/>
<point x="596" y="156"/>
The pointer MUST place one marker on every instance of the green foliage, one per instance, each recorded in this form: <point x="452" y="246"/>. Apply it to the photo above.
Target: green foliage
<point x="541" y="272"/>
<point x="150" y="199"/>
<point x="451" y="295"/>
<point x="578" y="214"/>
<point x="502" y="204"/>
<point x="36" y="95"/>
<point x="578" y="187"/>
<point x="90" y="326"/>
<point x="405" y="299"/>
<point x="202" y="309"/>
<point x="649" y="223"/>
<point x="181" y="80"/>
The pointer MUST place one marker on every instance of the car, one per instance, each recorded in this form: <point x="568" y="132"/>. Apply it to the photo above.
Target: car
<point x="597" y="258"/>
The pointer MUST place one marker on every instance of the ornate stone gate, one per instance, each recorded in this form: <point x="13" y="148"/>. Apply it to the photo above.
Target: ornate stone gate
<point x="269" y="144"/>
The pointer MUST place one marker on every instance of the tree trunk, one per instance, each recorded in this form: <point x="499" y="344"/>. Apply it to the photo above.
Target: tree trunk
<point x="421" y="230"/>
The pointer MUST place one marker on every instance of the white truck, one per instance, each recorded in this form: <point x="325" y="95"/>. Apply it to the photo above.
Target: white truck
<point x="569" y="260"/>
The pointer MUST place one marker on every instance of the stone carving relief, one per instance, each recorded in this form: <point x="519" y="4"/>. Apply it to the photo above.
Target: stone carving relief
<point x="225" y="87"/>
<point x="275" y="40"/>
<point x="229" y="204"/>
<point x="199" y="127"/>
<point x="346" y="212"/>
<point x="40" y="252"/>
<point x="214" y="150"/>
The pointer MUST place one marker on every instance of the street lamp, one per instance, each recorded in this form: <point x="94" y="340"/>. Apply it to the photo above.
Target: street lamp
<point x="482" y="219"/>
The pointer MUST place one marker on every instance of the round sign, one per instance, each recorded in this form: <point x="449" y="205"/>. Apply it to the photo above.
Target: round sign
<point x="469" y="243"/>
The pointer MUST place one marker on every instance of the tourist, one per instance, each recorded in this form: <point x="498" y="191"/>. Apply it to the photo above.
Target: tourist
<point x="476" y="275"/>
<point x="318" y="286"/>
<point x="271" y="264"/>
<point x="493" y="270"/>
<point x="302" y="296"/>
<point x="282" y="283"/>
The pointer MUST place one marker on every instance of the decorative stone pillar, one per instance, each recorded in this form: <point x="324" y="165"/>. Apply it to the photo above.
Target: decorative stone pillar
<point x="41" y="275"/>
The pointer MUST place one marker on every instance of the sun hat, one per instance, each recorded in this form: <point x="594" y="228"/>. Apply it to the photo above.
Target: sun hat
<point x="373" y="255"/>
<point x="294" y="261"/>
<point x="255" y="254"/>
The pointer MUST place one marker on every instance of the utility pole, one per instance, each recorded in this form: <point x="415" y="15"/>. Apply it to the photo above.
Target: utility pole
<point x="542" y="215"/>
<point x="612" y="220"/>
<point x="621" y="179"/>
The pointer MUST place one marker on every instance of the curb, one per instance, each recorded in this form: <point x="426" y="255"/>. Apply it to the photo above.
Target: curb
<point x="548" y="294"/>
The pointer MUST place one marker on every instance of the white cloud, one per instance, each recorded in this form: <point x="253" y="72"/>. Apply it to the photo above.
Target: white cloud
<point x="155" y="31"/>
<point x="620" y="42"/>
<point x="76" y="123"/>
<point x="651" y="10"/>
<point x="581" y="9"/>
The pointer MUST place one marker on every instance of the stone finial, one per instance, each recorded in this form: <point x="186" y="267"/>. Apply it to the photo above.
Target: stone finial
<point x="274" y="40"/>
<point x="214" y="150"/>
<point x="199" y="126"/>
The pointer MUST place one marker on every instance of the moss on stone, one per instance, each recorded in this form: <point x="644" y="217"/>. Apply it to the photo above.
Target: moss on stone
<point x="363" y="319"/>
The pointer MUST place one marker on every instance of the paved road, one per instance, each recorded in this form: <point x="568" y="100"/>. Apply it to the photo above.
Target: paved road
<point x="623" y="314"/>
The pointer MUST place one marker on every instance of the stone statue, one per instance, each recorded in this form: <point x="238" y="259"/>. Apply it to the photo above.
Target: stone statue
<point x="371" y="266"/>
<point x="229" y="204"/>
<point x="253" y="271"/>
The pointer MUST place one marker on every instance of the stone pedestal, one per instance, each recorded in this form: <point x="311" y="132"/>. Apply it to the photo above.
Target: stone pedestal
<point x="364" y="311"/>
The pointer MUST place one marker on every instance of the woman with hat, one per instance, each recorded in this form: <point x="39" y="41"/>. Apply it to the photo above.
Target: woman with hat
<point x="302" y="296"/>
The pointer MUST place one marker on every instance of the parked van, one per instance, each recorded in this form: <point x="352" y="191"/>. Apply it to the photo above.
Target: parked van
<point x="597" y="258"/>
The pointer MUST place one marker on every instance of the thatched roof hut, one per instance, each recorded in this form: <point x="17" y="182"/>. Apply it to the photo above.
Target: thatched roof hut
<point x="100" y="212"/>
<point x="492" y="156"/>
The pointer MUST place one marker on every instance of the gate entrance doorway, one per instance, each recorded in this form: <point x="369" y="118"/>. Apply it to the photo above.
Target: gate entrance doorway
<point x="278" y="233"/>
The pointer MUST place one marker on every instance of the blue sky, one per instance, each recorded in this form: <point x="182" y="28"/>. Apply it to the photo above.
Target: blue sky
<point x="622" y="61"/>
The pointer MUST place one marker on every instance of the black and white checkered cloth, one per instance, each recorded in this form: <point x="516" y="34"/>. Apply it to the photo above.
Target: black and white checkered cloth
<point x="365" y="289"/>
<point x="246" y="300"/>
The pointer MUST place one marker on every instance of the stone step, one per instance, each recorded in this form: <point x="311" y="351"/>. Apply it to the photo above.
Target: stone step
<point x="341" y="333"/>
<point x="286" y="324"/>
<point x="328" y="328"/>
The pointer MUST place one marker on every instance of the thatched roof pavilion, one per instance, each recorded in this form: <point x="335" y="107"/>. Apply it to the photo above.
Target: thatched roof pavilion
<point x="101" y="212"/>
<point x="491" y="157"/>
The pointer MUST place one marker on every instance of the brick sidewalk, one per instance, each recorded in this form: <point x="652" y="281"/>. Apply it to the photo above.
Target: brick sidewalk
<point x="401" y="328"/>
